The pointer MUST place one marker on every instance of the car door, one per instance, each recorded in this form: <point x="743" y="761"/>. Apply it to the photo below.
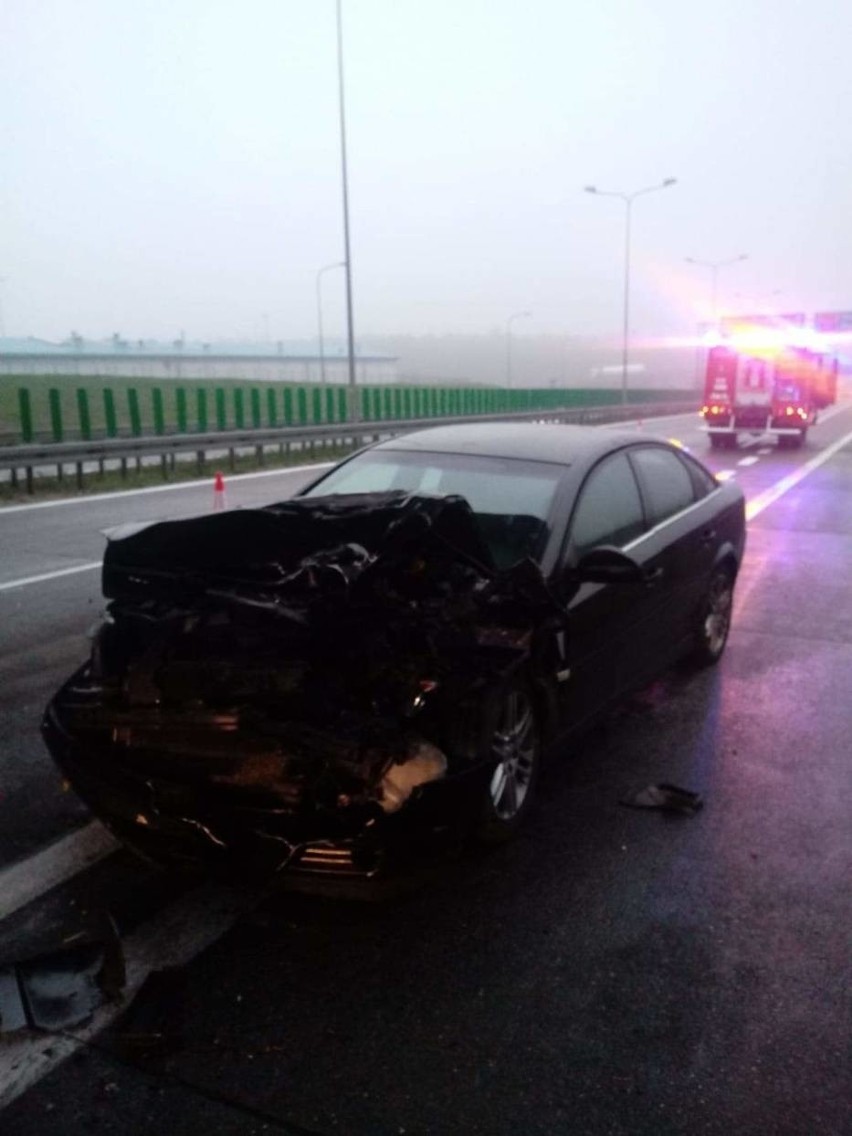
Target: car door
<point x="608" y="511"/>
<point x="680" y="541"/>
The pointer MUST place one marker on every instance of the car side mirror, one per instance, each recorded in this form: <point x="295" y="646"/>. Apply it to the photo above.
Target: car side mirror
<point x="605" y="565"/>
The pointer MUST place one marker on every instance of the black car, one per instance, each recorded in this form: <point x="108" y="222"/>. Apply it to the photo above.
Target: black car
<point x="351" y="680"/>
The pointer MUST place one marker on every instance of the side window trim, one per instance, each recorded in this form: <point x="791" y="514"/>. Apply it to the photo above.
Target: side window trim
<point x="654" y="529"/>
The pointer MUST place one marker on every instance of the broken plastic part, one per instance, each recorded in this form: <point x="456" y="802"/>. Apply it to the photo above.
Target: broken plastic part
<point x="667" y="797"/>
<point x="425" y="765"/>
<point x="60" y="989"/>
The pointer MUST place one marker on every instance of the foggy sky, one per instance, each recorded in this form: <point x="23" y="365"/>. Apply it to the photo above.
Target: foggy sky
<point x="175" y="165"/>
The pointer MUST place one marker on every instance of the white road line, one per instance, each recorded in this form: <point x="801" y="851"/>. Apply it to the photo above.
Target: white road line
<point x="203" y="482"/>
<point x="42" y="577"/>
<point x="34" y="877"/>
<point x="765" y="450"/>
<point x="765" y="499"/>
<point x="748" y="461"/>
<point x="179" y="933"/>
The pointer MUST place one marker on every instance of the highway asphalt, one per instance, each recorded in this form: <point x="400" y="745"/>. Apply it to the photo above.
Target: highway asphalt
<point x="612" y="971"/>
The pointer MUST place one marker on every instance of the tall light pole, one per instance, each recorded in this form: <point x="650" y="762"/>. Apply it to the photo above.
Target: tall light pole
<point x="347" y="261"/>
<point x="628" y="199"/>
<point x="509" y="322"/>
<point x="714" y="266"/>
<point x="325" y="268"/>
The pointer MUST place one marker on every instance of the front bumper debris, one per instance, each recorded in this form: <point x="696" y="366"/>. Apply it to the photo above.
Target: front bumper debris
<point x="299" y="688"/>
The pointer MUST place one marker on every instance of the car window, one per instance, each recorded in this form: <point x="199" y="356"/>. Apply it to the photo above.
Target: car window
<point x="490" y="485"/>
<point x="512" y="499"/>
<point x="609" y="509"/>
<point x="666" y="482"/>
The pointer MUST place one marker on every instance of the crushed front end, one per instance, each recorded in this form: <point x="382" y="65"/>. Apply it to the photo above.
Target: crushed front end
<point x="299" y="687"/>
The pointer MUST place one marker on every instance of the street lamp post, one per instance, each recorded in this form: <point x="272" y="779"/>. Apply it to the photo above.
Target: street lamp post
<point x="325" y="268"/>
<point x="628" y="199"/>
<point x="354" y="414"/>
<point x="714" y="266"/>
<point x="509" y="322"/>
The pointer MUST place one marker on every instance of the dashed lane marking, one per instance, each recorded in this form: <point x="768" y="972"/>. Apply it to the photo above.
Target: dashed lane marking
<point x="748" y="461"/>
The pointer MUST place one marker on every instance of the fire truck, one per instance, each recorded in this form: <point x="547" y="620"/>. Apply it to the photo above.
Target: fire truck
<point x="766" y="382"/>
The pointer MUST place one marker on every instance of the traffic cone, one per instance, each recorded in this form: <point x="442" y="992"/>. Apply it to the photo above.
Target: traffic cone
<point x="218" y="492"/>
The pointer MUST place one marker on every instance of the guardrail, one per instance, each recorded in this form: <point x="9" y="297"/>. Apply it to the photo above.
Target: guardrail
<point x="24" y="460"/>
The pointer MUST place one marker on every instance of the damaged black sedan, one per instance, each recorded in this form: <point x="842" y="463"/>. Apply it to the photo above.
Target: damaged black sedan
<point x="351" y="680"/>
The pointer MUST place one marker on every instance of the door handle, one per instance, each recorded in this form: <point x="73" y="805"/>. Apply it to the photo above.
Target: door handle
<point x="654" y="575"/>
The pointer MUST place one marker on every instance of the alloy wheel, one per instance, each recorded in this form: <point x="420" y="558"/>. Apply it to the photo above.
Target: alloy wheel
<point x="514" y="745"/>
<point x="717" y="618"/>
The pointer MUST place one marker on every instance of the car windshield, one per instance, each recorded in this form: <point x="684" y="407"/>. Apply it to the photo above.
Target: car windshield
<point x="511" y="499"/>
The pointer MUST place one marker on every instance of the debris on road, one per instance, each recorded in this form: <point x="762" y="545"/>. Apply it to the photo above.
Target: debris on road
<point x="668" y="798"/>
<point x="58" y="989"/>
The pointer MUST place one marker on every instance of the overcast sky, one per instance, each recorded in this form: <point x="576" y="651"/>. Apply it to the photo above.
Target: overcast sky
<point x="175" y="165"/>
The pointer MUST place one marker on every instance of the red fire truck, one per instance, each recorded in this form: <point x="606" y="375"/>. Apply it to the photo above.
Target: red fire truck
<point x="766" y="383"/>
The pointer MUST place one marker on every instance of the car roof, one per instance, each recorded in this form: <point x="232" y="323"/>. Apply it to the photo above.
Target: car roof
<point x="530" y="441"/>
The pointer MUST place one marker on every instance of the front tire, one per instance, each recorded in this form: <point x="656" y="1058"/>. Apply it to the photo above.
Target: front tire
<point x="714" y="621"/>
<point x="515" y="746"/>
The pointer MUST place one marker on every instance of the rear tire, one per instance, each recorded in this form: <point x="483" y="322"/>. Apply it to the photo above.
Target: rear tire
<point x="514" y="743"/>
<point x="714" y="620"/>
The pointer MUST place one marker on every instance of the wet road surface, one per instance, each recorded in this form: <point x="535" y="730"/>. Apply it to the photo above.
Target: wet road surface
<point x="612" y="971"/>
